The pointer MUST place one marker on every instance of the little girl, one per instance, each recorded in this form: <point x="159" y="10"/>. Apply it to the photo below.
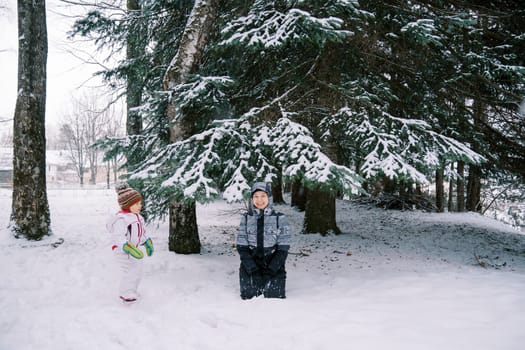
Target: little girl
<point x="128" y="235"/>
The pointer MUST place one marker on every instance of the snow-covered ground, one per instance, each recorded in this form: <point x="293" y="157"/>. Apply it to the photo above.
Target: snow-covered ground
<point x="392" y="280"/>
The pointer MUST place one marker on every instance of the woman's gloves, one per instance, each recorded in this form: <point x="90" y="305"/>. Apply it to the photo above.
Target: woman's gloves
<point x="278" y="261"/>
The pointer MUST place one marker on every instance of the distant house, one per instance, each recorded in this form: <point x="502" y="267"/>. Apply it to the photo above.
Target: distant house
<point x="59" y="168"/>
<point x="6" y="167"/>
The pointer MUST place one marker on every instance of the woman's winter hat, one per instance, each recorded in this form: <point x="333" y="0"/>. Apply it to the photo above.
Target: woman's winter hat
<point x="261" y="186"/>
<point x="127" y="196"/>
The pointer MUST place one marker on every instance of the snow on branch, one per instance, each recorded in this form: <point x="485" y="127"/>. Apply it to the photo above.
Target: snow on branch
<point x="400" y="147"/>
<point x="301" y="156"/>
<point x="424" y="31"/>
<point x="184" y="167"/>
<point x="200" y="91"/>
<point x="271" y="28"/>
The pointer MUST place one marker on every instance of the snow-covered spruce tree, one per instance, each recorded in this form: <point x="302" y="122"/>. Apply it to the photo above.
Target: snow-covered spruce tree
<point x="289" y="49"/>
<point x="30" y="208"/>
<point x="476" y="78"/>
<point x="188" y="103"/>
<point x="184" y="234"/>
<point x="336" y="77"/>
<point x="231" y="154"/>
<point x="304" y="66"/>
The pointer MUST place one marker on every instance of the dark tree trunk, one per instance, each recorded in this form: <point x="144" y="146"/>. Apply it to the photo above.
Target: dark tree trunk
<point x="134" y="50"/>
<point x="183" y="226"/>
<point x="461" y="186"/>
<point x="450" y="204"/>
<point x="474" y="189"/>
<point x="440" y="191"/>
<point x="30" y="209"/>
<point x="474" y="175"/>
<point x="135" y="46"/>
<point x="299" y="195"/>
<point x="277" y="189"/>
<point x="320" y="213"/>
<point x="184" y="234"/>
<point x="108" y="174"/>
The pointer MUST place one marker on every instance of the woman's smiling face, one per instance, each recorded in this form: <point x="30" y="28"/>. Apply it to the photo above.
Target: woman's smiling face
<point x="260" y="199"/>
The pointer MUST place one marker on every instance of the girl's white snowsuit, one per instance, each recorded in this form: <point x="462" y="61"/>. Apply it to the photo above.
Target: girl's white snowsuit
<point x="127" y="227"/>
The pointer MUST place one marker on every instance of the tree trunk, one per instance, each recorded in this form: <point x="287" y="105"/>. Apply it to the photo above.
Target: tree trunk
<point x="30" y="208"/>
<point x="474" y="189"/>
<point x="440" y="191"/>
<point x="474" y="175"/>
<point x="277" y="189"/>
<point x="299" y="195"/>
<point x="135" y="46"/>
<point x="108" y="173"/>
<point x="319" y="216"/>
<point x="320" y="210"/>
<point x="461" y="187"/>
<point x="184" y="234"/>
<point x="450" y="204"/>
<point x="93" y="170"/>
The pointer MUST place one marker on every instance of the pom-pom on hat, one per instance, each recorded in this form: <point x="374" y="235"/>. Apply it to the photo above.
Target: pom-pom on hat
<point x="127" y="196"/>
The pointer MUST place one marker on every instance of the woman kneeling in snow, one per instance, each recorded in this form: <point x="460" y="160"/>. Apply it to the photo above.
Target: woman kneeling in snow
<point x="263" y="241"/>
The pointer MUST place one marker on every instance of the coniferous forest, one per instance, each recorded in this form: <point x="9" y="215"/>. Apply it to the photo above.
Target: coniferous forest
<point x="324" y="99"/>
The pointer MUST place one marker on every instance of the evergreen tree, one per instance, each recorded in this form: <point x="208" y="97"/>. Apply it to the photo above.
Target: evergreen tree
<point x="184" y="235"/>
<point x="328" y="93"/>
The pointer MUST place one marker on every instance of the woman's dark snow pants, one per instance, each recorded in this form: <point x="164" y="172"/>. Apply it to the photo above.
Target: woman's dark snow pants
<point x="257" y="283"/>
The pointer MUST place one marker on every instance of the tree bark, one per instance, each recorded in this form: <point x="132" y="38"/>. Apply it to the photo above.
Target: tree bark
<point x="134" y="81"/>
<point x="450" y="203"/>
<point x="184" y="234"/>
<point x="30" y="209"/>
<point x="320" y="213"/>
<point x="277" y="189"/>
<point x="461" y="187"/>
<point x="440" y="191"/>
<point x="474" y="175"/>
<point x="319" y="216"/>
<point x="474" y="189"/>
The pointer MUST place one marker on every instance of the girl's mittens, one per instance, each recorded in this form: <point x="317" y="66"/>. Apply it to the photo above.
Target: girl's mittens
<point x="149" y="246"/>
<point x="132" y="250"/>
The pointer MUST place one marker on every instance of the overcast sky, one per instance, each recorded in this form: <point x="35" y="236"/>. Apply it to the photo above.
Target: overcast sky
<point x="66" y="74"/>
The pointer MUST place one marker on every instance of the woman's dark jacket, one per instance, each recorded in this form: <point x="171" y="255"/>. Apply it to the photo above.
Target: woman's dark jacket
<point x="263" y="240"/>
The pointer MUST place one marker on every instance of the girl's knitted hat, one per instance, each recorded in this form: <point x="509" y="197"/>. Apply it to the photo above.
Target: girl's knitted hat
<point x="127" y="196"/>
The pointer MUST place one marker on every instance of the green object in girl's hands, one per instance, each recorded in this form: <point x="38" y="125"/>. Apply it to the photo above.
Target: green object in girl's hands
<point x="149" y="246"/>
<point x="132" y="250"/>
